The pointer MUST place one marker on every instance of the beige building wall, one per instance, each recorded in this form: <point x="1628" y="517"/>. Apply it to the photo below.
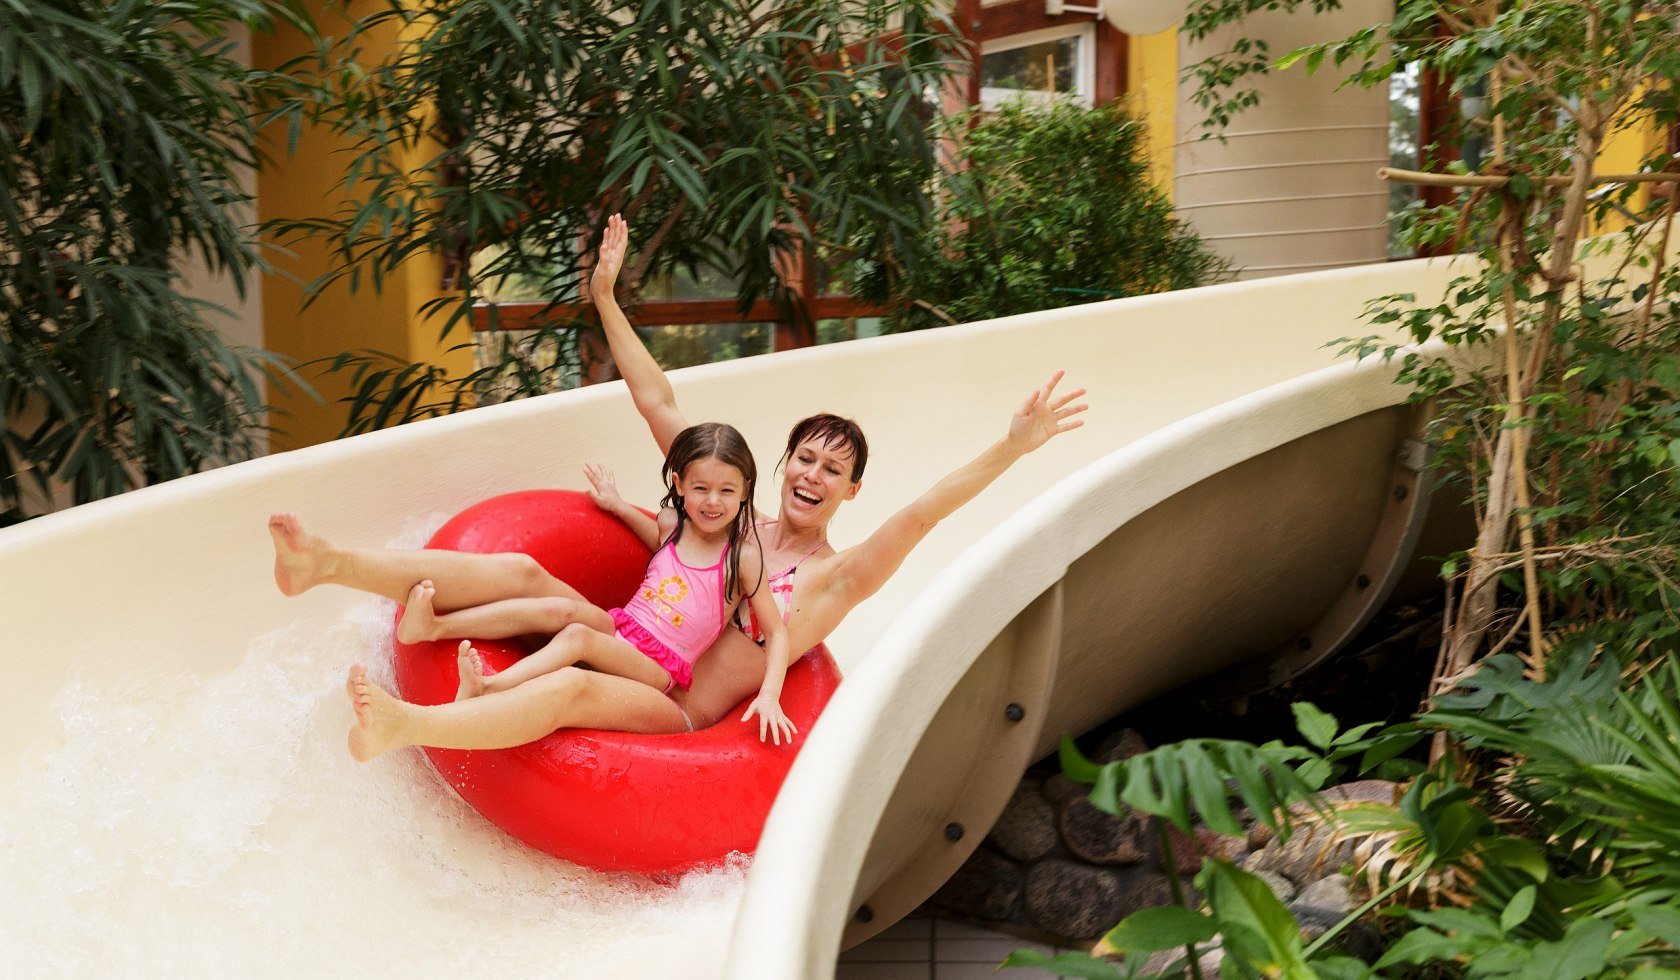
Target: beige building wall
<point x="1293" y="185"/>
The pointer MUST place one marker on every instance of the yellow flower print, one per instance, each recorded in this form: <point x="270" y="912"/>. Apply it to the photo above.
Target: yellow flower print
<point x="673" y="590"/>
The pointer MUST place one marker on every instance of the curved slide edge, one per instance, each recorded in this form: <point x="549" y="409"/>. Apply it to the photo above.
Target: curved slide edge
<point x="1024" y="638"/>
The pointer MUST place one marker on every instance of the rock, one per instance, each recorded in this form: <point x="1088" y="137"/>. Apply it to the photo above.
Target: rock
<point x="1364" y="791"/>
<point x="987" y="886"/>
<point x="1214" y="844"/>
<point x="1172" y="963"/>
<point x="1027" y="829"/>
<point x="1361" y="940"/>
<point x="1059" y="789"/>
<point x="1119" y="747"/>
<point x="1185" y="851"/>
<point x="1261" y="839"/>
<point x="1145" y="888"/>
<point x="1073" y="900"/>
<point x="1282" y="887"/>
<point x="1328" y="893"/>
<point x="1309" y="854"/>
<point x="1099" y="837"/>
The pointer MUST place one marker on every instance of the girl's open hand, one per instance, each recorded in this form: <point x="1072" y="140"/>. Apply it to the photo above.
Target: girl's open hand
<point x="604" y="488"/>
<point x="771" y="721"/>
<point x="1045" y="415"/>
<point x="615" y="242"/>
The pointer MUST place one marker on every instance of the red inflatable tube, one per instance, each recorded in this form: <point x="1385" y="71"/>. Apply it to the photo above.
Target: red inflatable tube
<point x="609" y="800"/>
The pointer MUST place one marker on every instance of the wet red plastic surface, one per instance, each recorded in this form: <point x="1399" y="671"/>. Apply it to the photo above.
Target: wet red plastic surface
<point x="610" y="800"/>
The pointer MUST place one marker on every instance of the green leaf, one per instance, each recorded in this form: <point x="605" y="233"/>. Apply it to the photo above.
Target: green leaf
<point x="1664" y="923"/>
<point x="1316" y="726"/>
<point x="1579" y="954"/>
<point x="1518" y="909"/>
<point x="1074" y="764"/>
<point x="1081" y="965"/>
<point x="1258" y="929"/>
<point x="1166" y="927"/>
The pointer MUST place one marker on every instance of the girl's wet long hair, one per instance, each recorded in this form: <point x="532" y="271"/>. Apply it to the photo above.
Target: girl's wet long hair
<point x="714" y="440"/>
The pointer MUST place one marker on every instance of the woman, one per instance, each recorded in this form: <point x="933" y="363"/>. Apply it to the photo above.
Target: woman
<point x="823" y="468"/>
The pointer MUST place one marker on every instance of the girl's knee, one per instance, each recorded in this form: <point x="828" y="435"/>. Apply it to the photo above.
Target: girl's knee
<point x="573" y="632"/>
<point x="558" y="614"/>
<point x="527" y="574"/>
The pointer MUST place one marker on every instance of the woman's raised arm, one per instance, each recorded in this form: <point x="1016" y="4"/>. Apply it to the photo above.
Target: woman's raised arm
<point x="648" y="385"/>
<point x="860" y="571"/>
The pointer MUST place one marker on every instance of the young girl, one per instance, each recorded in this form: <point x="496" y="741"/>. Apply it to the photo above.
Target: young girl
<point x="706" y="561"/>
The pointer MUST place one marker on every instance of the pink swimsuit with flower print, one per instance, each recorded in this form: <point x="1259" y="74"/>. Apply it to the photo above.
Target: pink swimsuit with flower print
<point x="676" y="613"/>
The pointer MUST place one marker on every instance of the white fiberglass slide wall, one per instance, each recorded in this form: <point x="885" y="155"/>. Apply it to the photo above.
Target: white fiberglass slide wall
<point x="173" y="728"/>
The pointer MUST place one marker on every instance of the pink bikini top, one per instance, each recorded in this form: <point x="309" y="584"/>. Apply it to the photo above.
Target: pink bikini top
<point x="781" y="590"/>
<point x="682" y="606"/>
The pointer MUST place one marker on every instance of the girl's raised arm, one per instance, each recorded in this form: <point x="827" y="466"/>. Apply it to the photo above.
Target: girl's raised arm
<point x="648" y="385"/>
<point x="605" y="496"/>
<point x="860" y="571"/>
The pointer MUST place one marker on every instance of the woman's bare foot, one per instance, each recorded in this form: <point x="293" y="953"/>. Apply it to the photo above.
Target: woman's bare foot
<point x="300" y="558"/>
<point x="379" y="717"/>
<point x="419" y="621"/>
<point x="471" y="666"/>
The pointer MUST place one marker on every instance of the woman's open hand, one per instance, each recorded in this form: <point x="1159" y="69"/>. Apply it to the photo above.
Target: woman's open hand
<point x="1044" y="415"/>
<point x="615" y="242"/>
<point x="771" y="721"/>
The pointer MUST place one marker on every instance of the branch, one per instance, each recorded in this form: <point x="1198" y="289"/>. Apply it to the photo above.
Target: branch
<point x="1477" y="180"/>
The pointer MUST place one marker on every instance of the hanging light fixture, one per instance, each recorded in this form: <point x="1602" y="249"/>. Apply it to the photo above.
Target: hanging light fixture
<point x="1128" y="16"/>
<point x="1144" y="16"/>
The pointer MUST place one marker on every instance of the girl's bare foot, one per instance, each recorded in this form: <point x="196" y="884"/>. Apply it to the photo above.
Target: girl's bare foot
<point x="379" y="717"/>
<point x="299" y="557"/>
<point x="471" y="666"/>
<point x="419" y="620"/>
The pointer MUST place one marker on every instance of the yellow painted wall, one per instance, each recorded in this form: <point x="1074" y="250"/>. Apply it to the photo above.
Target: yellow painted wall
<point x="1623" y="153"/>
<point x="1152" y="95"/>
<point x="300" y="185"/>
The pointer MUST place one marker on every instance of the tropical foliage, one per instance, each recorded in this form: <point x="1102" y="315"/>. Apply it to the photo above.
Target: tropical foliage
<point x="1047" y="206"/>
<point x="123" y="130"/>
<point x="733" y="136"/>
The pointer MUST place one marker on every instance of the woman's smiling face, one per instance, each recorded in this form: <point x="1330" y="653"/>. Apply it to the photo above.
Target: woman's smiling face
<point x="815" y="481"/>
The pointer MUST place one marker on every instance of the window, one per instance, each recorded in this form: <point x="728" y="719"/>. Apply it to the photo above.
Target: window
<point x="1042" y="65"/>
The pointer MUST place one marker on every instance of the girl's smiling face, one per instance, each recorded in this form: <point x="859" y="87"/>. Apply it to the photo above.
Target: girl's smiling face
<point x="815" y="481"/>
<point x="713" y="493"/>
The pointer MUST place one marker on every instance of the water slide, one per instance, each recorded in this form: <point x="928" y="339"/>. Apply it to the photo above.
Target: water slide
<point x="180" y="800"/>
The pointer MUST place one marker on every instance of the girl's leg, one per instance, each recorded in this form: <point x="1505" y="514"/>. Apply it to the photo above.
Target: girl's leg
<point x="569" y="698"/>
<point x="579" y="644"/>
<point x="495" y="620"/>
<point x="303" y="561"/>
<point x="729" y="672"/>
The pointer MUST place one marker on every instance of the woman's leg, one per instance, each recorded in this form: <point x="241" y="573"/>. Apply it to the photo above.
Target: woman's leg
<point x="577" y="644"/>
<point x="495" y="620"/>
<point x="303" y="561"/>
<point x="729" y="672"/>
<point x="568" y="698"/>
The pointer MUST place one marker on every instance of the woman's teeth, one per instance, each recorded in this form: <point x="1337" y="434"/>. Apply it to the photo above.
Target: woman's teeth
<point x="807" y="498"/>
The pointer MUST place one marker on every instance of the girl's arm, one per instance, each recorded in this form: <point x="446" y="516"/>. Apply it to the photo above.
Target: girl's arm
<point x="768" y="704"/>
<point x="860" y="571"/>
<point x="648" y="386"/>
<point x="605" y="495"/>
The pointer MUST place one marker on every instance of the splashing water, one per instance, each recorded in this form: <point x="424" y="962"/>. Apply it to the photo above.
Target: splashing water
<point x="223" y="828"/>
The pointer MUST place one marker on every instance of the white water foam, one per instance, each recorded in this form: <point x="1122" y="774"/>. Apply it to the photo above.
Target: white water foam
<point x="223" y="829"/>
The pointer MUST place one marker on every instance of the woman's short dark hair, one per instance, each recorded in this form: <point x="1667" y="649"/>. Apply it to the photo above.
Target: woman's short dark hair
<point x="836" y="433"/>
